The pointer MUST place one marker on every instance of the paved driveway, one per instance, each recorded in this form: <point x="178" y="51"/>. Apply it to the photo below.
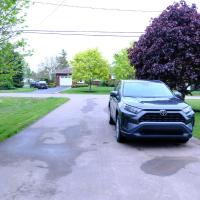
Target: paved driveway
<point x="71" y="154"/>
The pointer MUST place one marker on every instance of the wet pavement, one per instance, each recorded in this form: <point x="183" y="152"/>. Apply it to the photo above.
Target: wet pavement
<point x="72" y="154"/>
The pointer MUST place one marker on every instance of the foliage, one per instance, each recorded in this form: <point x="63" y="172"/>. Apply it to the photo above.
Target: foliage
<point x="77" y="85"/>
<point x="47" y="69"/>
<point x="11" y="18"/>
<point x="11" y="67"/>
<point x="90" y="65"/>
<point x="28" y="73"/>
<point x="6" y="66"/>
<point x="11" y="21"/>
<point x="52" y="84"/>
<point x="18" y="66"/>
<point x="170" y="48"/>
<point x="62" y="61"/>
<point x="121" y="66"/>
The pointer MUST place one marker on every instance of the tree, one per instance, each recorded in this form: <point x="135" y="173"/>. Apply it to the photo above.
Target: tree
<point x="47" y="69"/>
<point x="18" y="66"/>
<point x="11" y="18"/>
<point x="62" y="60"/>
<point x="121" y="66"/>
<point x="11" y="23"/>
<point x="28" y="73"/>
<point x="6" y="67"/>
<point x="90" y="65"/>
<point x="11" y="67"/>
<point x="170" y="48"/>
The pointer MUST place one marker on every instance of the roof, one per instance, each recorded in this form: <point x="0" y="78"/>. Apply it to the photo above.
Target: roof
<point x="67" y="70"/>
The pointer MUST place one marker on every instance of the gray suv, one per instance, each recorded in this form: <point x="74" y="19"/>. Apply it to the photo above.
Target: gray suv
<point x="148" y="109"/>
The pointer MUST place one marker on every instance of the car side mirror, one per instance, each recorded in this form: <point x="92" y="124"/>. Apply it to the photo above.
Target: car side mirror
<point x="178" y="95"/>
<point x="114" y="94"/>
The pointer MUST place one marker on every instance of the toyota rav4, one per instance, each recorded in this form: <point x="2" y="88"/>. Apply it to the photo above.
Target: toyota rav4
<point x="149" y="109"/>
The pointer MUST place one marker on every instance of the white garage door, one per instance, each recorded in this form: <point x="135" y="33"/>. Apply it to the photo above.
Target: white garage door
<point x="65" y="81"/>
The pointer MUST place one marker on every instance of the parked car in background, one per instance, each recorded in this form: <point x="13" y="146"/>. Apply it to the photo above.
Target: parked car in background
<point x="33" y="84"/>
<point x="41" y="85"/>
<point x="148" y="109"/>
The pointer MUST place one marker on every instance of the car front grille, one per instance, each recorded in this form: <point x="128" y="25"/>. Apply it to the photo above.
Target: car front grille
<point x="151" y="131"/>
<point x="156" y="117"/>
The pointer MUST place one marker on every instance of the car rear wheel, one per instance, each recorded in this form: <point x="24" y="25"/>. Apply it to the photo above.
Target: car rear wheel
<point x="120" y="138"/>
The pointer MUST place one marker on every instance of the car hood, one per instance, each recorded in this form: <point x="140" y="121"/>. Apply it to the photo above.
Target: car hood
<point x="171" y="103"/>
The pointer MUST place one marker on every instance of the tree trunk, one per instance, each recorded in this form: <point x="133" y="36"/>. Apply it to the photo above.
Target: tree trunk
<point x="90" y="85"/>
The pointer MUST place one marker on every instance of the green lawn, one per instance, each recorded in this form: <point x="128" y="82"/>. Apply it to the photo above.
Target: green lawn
<point x="196" y="106"/>
<point x="85" y="90"/>
<point x="17" y="113"/>
<point x="196" y="93"/>
<point x="26" y="89"/>
<point x="195" y="103"/>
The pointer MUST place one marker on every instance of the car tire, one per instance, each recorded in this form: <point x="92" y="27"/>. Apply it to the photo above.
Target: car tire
<point x="182" y="141"/>
<point x="119" y="137"/>
<point x="111" y="121"/>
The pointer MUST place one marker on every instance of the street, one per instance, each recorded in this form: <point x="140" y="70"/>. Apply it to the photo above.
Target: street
<point x="53" y="90"/>
<point x="72" y="154"/>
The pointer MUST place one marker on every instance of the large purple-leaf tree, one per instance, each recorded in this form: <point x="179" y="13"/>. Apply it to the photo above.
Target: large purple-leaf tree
<point x="170" y="48"/>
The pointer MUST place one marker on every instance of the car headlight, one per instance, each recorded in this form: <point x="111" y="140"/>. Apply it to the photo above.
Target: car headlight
<point x="187" y="110"/>
<point x="132" y="109"/>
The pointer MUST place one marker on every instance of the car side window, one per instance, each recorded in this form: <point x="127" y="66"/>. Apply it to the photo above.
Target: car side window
<point x="117" y="88"/>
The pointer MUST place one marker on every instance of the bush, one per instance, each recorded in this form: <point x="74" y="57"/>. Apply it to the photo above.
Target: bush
<point x="52" y="84"/>
<point x="77" y="85"/>
<point x="6" y="82"/>
<point x="111" y="83"/>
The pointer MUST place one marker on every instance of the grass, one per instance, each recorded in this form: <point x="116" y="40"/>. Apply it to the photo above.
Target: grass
<point x="17" y="90"/>
<point x="85" y="90"/>
<point x="196" y="106"/>
<point x="195" y="103"/>
<point x="196" y="93"/>
<point x="17" y="113"/>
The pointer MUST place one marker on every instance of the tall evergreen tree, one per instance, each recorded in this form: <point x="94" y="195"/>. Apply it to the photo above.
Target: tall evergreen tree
<point x="62" y="61"/>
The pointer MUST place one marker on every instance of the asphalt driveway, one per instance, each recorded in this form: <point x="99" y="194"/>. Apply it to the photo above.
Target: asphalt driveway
<point x="71" y="154"/>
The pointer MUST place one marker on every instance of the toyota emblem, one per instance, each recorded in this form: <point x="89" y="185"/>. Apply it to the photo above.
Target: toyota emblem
<point x="163" y="112"/>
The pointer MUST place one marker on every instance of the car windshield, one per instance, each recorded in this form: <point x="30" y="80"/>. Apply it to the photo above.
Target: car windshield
<point x="146" y="89"/>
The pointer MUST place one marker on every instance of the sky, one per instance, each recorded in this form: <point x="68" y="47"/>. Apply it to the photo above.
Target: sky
<point x="62" y="18"/>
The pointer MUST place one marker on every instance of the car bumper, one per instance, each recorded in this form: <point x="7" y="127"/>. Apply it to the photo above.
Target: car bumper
<point x="170" y="130"/>
<point x="159" y="130"/>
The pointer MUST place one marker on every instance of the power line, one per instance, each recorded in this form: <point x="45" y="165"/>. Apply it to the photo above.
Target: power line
<point x="80" y="31"/>
<point x="79" y="34"/>
<point x="54" y="10"/>
<point x="97" y="8"/>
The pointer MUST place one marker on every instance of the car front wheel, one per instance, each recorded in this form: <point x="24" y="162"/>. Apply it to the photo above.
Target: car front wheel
<point x="120" y="138"/>
<point x="182" y="141"/>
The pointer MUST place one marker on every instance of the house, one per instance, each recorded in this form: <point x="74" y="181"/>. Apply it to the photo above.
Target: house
<point x="64" y="77"/>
